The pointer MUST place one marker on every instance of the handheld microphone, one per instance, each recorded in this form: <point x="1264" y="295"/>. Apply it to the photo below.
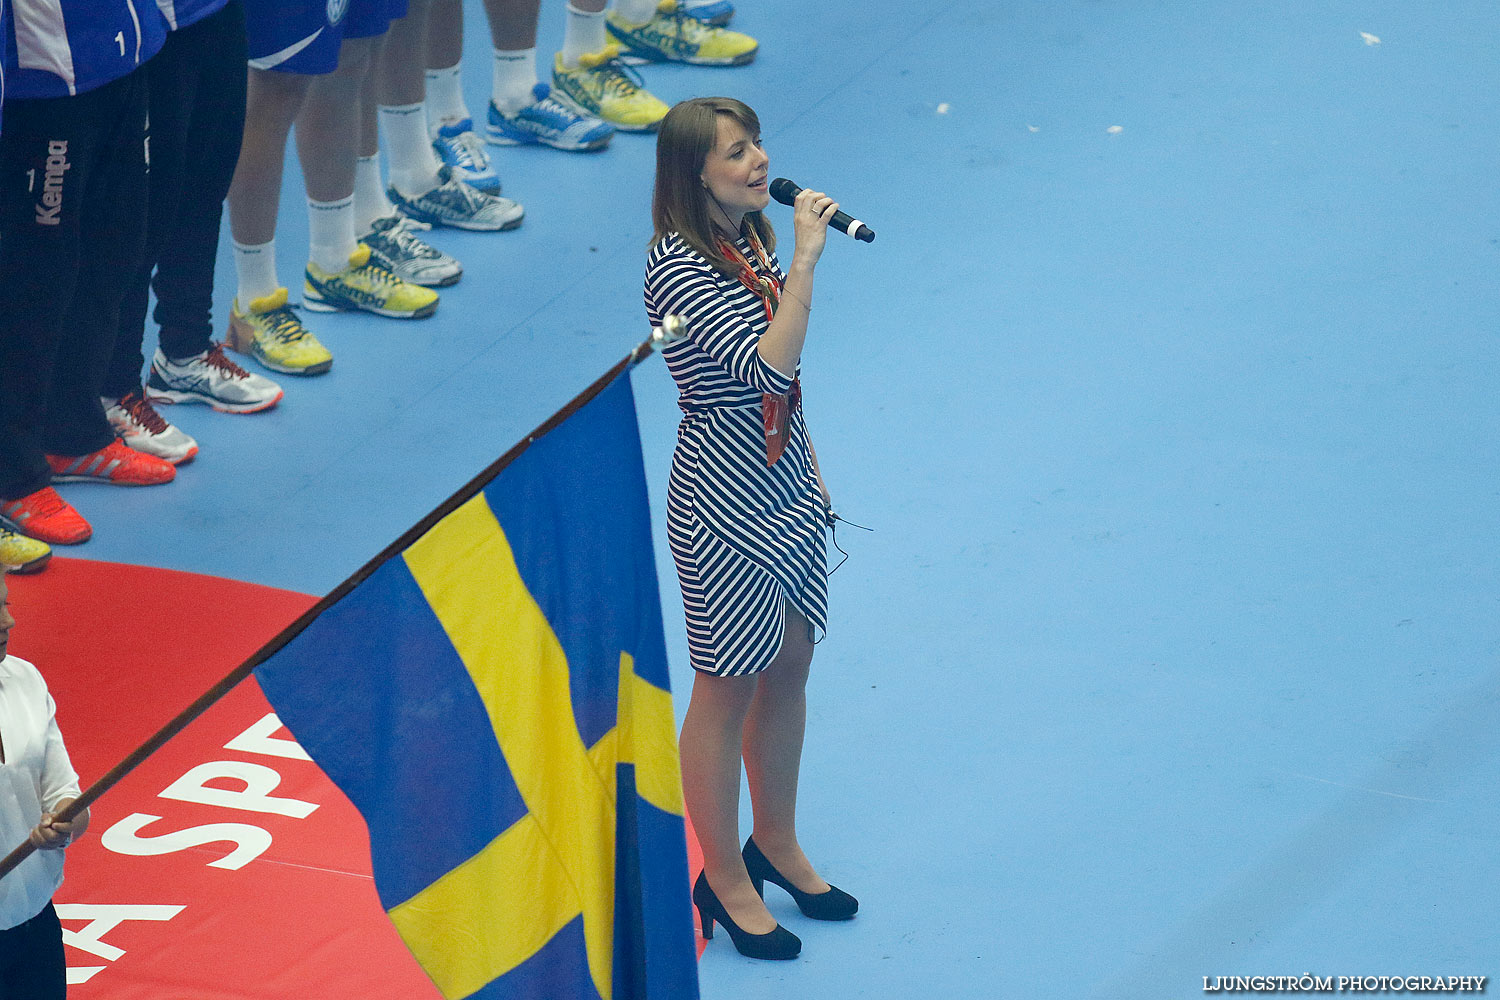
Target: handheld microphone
<point x="786" y="192"/>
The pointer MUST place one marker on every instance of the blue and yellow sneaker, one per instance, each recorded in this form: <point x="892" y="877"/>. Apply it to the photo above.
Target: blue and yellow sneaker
<point x="273" y="335"/>
<point x="19" y="554"/>
<point x="548" y="122"/>
<point x="458" y="147"/>
<point x="604" y="87"/>
<point x="367" y="287"/>
<point x="672" y="35"/>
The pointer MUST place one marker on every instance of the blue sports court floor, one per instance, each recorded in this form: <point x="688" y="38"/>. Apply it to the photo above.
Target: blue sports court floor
<point x="1169" y="389"/>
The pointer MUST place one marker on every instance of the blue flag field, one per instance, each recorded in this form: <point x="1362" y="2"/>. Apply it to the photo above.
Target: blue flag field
<point x="494" y="700"/>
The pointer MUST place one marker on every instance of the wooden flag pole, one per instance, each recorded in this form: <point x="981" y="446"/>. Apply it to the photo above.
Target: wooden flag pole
<point x="672" y="329"/>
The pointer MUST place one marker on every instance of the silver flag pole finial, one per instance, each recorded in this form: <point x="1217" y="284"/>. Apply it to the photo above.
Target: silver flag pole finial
<point x="673" y="328"/>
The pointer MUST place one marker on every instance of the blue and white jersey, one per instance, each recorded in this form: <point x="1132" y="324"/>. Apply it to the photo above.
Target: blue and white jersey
<point x="58" y="48"/>
<point x="181" y="13"/>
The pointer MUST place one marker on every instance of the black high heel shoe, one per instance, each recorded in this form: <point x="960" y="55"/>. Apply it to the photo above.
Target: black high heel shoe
<point x="779" y="943"/>
<point x="835" y="904"/>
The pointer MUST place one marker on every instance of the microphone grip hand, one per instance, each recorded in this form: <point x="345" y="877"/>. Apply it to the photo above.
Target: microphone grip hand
<point x="811" y="212"/>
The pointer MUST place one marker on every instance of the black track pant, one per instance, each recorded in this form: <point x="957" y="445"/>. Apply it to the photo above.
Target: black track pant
<point x="32" y="966"/>
<point x="197" y="121"/>
<point x="72" y="229"/>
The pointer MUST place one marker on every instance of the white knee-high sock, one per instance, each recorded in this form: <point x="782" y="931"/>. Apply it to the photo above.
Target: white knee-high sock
<point x="330" y="233"/>
<point x="370" y="202"/>
<point x="635" y="11"/>
<point x="414" y="166"/>
<point x="582" y="33"/>
<point x="513" y="79"/>
<point x="445" y="96"/>
<point x="255" y="270"/>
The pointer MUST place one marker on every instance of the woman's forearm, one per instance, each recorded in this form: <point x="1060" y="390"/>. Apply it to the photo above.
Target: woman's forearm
<point x="781" y="344"/>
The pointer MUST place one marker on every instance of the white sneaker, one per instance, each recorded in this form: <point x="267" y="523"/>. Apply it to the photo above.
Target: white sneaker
<point x="210" y="378"/>
<point x="143" y="429"/>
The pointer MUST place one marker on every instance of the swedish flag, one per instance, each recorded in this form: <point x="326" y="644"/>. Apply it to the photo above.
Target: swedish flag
<point x="494" y="700"/>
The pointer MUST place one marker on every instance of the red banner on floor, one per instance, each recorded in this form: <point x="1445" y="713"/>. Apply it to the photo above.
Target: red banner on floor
<point x="227" y="865"/>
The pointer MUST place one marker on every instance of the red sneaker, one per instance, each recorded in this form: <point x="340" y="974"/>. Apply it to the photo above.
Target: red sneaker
<point x="46" y="516"/>
<point x="117" y="463"/>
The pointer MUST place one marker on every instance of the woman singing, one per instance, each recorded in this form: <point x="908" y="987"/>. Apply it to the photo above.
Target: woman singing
<point x="746" y="509"/>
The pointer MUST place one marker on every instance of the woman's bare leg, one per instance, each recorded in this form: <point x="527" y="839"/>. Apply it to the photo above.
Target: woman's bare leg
<point x="710" y="745"/>
<point x="773" y="735"/>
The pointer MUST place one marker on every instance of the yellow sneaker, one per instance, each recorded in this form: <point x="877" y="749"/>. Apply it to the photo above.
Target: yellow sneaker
<point x="674" y="35"/>
<point x="366" y="286"/>
<point x="273" y="335"/>
<point x="19" y="554"/>
<point x="604" y="87"/>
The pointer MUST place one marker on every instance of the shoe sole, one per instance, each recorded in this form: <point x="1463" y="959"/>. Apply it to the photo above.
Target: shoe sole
<point x="634" y="129"/>
<point x="642" y="59"/>
<point x="433" y="220"/>
<point x="35" y="566"/>
<point x="502" y="139"/>
<point x="174" y="396"/>
<point x="312" y="300"/>
<point x="637" y="57"/>
<point x="58" y="540"/>
<point x="567" y="99"/>
<point x="318" y="369"/>
<point x="445" y="282"/>
<point x="58" y="478"/>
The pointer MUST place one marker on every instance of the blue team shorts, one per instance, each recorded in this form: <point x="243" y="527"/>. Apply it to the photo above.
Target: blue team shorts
<point x="303" y="36"/>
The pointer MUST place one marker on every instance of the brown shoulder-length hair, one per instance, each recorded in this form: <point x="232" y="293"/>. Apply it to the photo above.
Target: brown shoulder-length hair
<point x="680" y="201"/>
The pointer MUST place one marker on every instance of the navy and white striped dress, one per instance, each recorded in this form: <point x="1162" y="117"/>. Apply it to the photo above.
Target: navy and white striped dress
<point x="745" y="536"/>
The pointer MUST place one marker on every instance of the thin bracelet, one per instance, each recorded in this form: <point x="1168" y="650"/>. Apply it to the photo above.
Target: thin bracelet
<point x="794" y="295"/>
